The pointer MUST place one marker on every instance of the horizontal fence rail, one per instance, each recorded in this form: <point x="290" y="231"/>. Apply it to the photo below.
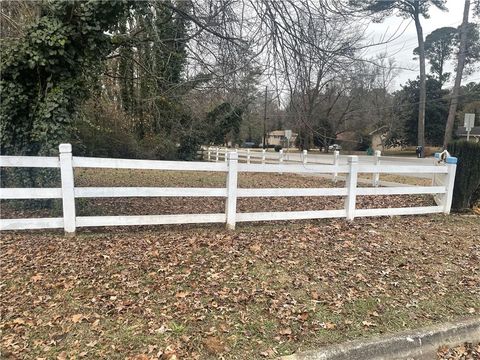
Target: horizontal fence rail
<point x="94" y="192"/>
<point x="29" y="161"/>
<point x="441" y="189"/>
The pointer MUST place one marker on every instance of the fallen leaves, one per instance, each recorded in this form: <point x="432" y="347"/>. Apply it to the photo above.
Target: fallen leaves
<point x="214" y="345"/>
<point x="263" y="291"/>
<point x="465" y="351"/>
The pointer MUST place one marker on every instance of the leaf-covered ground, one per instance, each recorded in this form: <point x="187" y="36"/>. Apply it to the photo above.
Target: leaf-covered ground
<point x="202" y="292"/>
<point x="467" y="351"/>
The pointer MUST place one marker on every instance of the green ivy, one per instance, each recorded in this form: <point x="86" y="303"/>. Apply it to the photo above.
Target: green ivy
<point x="46" y="74"/>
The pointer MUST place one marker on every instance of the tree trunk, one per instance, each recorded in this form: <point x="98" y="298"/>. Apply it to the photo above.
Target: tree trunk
<point x="458" y="78"/>
<point x="423" y="88"/>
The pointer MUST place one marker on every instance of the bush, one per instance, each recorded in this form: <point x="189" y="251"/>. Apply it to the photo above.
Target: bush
<point x="158" y="147"/>
<point x="278" y="148"/>
<point x="101" y="132"/>
<point x="467" y="178"/>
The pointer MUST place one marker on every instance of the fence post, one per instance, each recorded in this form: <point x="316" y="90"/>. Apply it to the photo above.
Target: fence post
<point x="376" y="161"/>
<point x="263" y="155"/>
<point x="336" y="158"/>
<point x="351" y="184"/>
<point x="248" y="156"/>
<point x="68" y="194"/>
<point x="209" y="153"/>
<point x="280" y="156"/>
<point x="449" y="184"/>
<point x="216" y="154"/>
<point x="231" y="202"/>
<point x="225" y="155"/>
<point x="305" y="152"/>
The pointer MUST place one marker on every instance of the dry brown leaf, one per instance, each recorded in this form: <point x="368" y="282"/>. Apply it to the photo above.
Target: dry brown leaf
<point x="214" y="345"/>
<point x="19" y="321"/>
<point x="77" y="318"/>
<point x="330" y="326"/>
<point x="255" y="248"/>
<point x="36" y="277"/>
<point x="168" y="354"/>
<point x="286" y="331"/>
<point x="268" y="353"/>
<point x="182" y="294"/>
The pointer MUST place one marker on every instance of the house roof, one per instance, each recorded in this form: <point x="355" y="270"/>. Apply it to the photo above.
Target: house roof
<point x="381" y="129"/>
<point x="462" y="131"/>
<point x="280" y="133"/>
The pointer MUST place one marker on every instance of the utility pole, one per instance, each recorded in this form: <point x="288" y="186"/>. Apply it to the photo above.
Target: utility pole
<point x="265" y="121"/>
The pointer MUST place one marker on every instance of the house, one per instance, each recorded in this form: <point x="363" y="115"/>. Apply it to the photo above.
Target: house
<point x="474" y="133"/>
<point x="277" y="137"/>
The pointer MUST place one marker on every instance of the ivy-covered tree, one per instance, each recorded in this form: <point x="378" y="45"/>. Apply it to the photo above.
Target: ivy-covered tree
<point x="48" y="72"/>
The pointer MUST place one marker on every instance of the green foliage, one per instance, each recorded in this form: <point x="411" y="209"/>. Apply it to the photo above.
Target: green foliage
<point x="189" y="145"/>
<point x="46" y="74"/>
<point x="99" y="132"/>
<point x="438" y="50"/>
<point x="472" y="52"/>
<point x="467" y="178"/>
<point x="436" y="112"/>
<point x="442" y="43"/>
<point x="224" y="123"/>
<point x="407" y="9"/>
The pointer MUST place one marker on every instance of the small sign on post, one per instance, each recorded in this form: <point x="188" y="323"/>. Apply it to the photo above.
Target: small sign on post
<point x="469" y="123"/>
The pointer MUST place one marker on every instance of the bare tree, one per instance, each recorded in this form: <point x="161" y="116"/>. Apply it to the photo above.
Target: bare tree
<point x="412" y="9"/>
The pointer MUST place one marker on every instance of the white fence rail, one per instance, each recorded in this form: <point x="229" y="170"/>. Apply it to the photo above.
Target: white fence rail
<point x="68" y="192"/>
<point x="216" y="154"/>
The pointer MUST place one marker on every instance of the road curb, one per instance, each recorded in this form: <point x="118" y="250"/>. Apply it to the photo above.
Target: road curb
<point x="418" y="344"/>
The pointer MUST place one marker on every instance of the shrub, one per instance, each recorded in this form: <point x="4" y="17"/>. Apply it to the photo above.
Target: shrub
<point x="278" y="148"/>
<point x="100" y="131"/>
<point x="467" y="178"/>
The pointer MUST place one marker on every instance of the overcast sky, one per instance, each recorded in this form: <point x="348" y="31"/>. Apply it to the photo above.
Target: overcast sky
<point x="402" y="47"/>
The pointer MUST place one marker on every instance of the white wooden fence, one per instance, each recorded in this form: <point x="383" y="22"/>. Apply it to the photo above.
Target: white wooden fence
<point x="68" y="192"/>
<point x="217" y="154"/>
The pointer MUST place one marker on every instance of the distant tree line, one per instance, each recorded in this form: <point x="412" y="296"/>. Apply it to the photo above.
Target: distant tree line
<point x="156" y="79"/>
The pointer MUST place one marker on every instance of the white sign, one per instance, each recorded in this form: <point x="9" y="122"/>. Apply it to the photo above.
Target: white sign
<point x="469" y="121"/>
<point x="288" y="134"/>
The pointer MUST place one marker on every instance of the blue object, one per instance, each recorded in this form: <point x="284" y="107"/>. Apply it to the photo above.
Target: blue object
<point x="437" y="155"/>
<point x="451" y="160"/>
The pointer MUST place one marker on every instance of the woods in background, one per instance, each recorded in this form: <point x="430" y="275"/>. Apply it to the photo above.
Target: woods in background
<point x="156" y="79"/>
